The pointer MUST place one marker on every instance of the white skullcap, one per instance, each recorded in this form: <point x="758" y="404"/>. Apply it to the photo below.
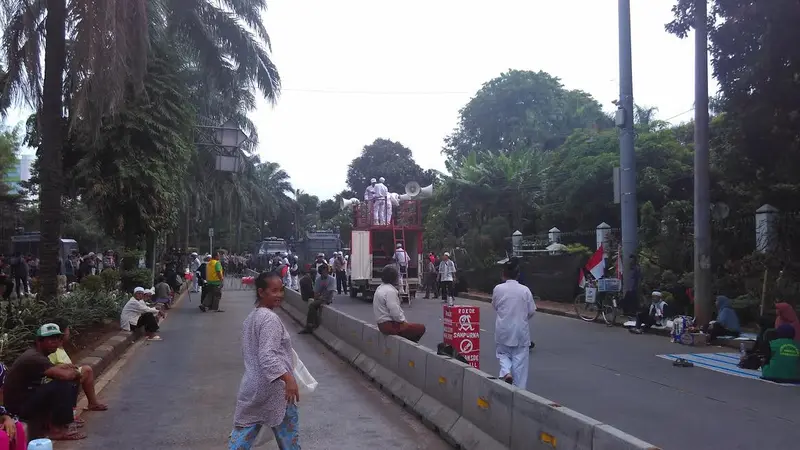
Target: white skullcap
<point x="656" y="294"/>
<point x="138" y="289"/>
<point x="382" y="179"/>
<point x="373" y="180"/>
<point x="399" y="245"/>
<point x="446" y="254"/>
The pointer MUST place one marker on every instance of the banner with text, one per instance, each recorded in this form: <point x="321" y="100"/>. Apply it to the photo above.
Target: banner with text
<point x="462" y="331"/>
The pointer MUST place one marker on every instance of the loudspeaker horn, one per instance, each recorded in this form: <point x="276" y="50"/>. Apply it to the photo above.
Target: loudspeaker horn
<point x="412" y="189"/>
<point x="348" y="202"/>
<point x="426" y="192"/>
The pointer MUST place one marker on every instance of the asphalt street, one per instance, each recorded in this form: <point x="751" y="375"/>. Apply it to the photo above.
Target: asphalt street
<point x="180" y="393"/>
<point x="615" y="377"/>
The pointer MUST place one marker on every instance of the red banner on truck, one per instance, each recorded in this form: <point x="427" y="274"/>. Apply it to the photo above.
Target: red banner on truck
<point x="462" y="331"/>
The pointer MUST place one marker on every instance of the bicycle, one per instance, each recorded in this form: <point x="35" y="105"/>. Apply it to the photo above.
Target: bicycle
<point x="604" y="296"/>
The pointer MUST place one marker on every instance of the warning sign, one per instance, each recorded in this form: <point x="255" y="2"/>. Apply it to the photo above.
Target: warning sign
<point x="462" y="331"/>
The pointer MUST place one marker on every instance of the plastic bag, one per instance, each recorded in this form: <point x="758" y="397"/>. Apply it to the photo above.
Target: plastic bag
<point x="305" y="382"/>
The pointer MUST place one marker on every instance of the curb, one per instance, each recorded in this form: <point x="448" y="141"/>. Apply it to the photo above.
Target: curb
<point x="107" y="353"/>
<point x="555" y="312"/>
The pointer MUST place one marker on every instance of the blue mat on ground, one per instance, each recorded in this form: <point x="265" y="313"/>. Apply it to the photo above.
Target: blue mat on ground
<point x="724" y="362"/>
<point x="742" y="337"/>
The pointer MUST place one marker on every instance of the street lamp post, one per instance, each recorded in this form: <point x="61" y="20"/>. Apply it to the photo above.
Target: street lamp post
<point x="702" y="205"/>
<point x="627" y="156"/>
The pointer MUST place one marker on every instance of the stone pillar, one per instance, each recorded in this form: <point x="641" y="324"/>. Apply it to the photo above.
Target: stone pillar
<point x="516" y="243"/>
<point x="554" y="234"/>
<point x="766" y="228"/>
<point x="601" y="232"/>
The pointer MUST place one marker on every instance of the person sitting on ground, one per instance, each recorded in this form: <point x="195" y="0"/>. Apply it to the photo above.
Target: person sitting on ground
<point x="12" y="433"/>
<point x="787" y="316"/>
<point x="655" y="315"/>
<point x="162" y="293"/>
<point x="324" y="288"/>
<point x="45" y="405"/>
<point x="60" y="356"/>
<point x="782" y="357"/>
<point x="388" y="314"/>
<point x="307" y="286"/>
<point x="727" y="322"/>
<point x="136" y="314"/>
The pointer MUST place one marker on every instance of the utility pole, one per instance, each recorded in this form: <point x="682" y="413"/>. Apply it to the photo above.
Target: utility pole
<point x="627" y="155"/>
<point x="702" y="205"/>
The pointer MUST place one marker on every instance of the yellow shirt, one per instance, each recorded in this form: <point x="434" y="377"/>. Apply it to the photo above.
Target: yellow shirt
<point x="212" y="267"/>
<point x="59" y="356"/>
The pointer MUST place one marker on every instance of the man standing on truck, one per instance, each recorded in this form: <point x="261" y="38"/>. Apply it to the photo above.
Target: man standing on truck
<point x="382" y="209"/>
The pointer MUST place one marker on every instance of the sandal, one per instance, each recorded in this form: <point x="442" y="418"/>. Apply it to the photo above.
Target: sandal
<point x="75" y="436"/>
<point x="680" y="362"/>
<point x="97" y="407"/>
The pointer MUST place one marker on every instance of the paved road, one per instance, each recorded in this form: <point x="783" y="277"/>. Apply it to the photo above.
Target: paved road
<point x="180" y="393"/>
<point x="615" y="377"/>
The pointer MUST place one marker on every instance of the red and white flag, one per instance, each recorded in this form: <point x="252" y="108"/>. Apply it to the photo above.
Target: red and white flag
<point x="596" y="265"/>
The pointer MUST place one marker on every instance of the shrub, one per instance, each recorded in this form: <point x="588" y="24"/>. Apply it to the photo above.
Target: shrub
<point x="82" y="308"/>
<point x="130" y="259"/>
<point x="579" y="249"/>
<point x="92" y="283"/>
<point x="132" y="278"/>
<point x="111" y="279"/>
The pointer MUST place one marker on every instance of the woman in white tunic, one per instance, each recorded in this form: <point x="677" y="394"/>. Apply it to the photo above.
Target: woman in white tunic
<point x="268" y="393"/>
<point x="514" y="305"/>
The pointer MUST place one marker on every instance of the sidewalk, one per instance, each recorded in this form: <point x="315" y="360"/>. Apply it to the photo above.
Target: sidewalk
<point x="181" y="392"/>
<point x="568" y="310"/>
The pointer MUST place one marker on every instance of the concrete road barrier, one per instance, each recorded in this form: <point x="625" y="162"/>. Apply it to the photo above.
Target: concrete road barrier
<point x="471" y="409"/>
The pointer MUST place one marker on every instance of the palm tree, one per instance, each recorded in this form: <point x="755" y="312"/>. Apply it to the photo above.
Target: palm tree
<point x="104" y="56"/>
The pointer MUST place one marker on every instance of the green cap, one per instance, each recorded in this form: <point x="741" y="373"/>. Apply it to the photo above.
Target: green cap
<point x="49" y="329"/>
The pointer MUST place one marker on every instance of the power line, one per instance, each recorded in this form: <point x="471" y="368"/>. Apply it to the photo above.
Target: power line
<point x="343" y="92"/>
<point x="678" y="115"/>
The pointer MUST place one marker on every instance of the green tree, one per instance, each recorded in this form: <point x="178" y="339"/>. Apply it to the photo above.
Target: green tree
<point x="756" y="62"/>
<point x="388" y="159"/>
<point x="522" y="110"/>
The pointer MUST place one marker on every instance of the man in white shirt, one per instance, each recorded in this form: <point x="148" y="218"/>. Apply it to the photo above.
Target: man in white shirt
<point x="401" y="258"/>
<point x="514" y="305"/>
<point x="369" y="193"/>
<point x="388" y="314"/>
<point x="382" y="208"/>
<point x="447" y="272"/>
<point x="136" y="314"/>
<point x="194" y="264"/>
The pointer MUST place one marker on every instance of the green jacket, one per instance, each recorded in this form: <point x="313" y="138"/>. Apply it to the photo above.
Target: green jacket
<point x="784" y="362"/>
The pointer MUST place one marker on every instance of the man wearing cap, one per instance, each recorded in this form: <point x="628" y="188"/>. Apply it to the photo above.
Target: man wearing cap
<point x="401" y="258"/>
<point x="194" y="265"/>
<point x="43" y="404"/>
<point x="654" y="315"/>
<point x="382" y="208"/>
<point x="136" y="314"/>
<point x="447" y="273"/>
<point x="213" y="288"/>
<point x="369" y="192"/>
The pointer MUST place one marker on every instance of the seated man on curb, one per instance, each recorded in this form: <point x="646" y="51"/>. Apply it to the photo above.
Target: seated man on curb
<point x="60" y="356"/>
<point x="388" y="313"/>
<point x="163" y="293"/>
<point x="307" y="286"/>
<point x="324" y="288"/>
<point x="136" y="314"/>
<point x="47" y="405"/>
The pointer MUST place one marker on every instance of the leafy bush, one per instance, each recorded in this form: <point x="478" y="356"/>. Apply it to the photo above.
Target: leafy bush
<point x="130" y="259"/>
<point x="111" y="280"/>
<point x="132" y="278"/>
<point x="92" y="283"/>
<point x="579" y="249"/>
<point x="82" y="308"/>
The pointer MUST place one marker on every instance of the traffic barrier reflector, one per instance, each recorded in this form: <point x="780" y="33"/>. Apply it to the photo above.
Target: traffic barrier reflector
<point x="488" y="403"/>
<point x="412" y="360"/>
<point x="444" y="380"/>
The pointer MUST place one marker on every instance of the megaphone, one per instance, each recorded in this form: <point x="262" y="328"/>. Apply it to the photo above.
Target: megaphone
<point x="412" y="189"/>
<point x="426" y="192"/>
<point x="348" y="202"/>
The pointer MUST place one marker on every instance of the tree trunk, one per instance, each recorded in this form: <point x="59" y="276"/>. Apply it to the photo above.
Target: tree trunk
<point x="50" y="162"/>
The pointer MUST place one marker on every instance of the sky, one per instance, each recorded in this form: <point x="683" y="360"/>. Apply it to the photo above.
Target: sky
<point x="357" y="70"/>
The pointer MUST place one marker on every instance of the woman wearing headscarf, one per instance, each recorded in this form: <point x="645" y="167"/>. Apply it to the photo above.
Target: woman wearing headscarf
<point x="782" y="359"/>
<point x="268" y="393"/>
<point x="787" y="316"/>
<point x="727" y="323"/>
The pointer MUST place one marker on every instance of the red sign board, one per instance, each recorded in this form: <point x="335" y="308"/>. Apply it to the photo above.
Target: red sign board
<point x="462" y="331"/>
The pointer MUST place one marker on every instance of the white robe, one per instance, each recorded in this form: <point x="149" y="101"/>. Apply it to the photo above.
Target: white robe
<point x="514" y="305"/>
<point x="382" y="211"/>
<point x="369" y="193"/>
